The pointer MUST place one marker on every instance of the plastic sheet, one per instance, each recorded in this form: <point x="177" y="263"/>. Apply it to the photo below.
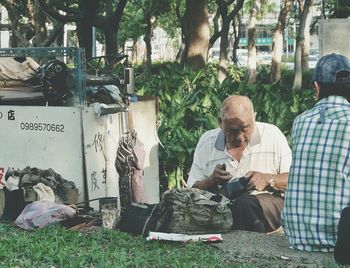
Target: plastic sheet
<point x="43" y="213"/>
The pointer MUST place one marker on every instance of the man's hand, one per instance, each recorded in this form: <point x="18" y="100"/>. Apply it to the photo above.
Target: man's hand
<point x="220" y="175"/>
<point x="258" y="181"/>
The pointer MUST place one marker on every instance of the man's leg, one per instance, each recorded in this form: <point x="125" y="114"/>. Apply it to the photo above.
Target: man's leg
<point x="260" y="213"/>
<point x="272" y="206"/>
<point x="248" y="214"/>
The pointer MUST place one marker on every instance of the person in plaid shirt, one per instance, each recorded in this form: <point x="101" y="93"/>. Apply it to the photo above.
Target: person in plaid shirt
<point x="319" y="182"/>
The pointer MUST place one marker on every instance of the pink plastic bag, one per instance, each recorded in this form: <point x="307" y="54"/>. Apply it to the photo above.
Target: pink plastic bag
<point x="43" y="213"/>
<point x="138" y="190"/>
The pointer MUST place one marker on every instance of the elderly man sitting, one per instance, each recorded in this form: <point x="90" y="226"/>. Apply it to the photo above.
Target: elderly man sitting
<point x="244" y="147"/>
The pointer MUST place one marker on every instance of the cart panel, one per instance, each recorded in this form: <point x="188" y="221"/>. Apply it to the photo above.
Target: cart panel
<point x="42" y="137"/>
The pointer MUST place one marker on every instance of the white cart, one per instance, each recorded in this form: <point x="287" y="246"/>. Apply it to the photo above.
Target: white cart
<point x="74" y="141"/>
<point x="77" y="144"/>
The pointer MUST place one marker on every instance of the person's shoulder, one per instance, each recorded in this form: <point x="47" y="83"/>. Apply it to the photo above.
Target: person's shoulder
<point x="210" y="134"/>
<point x="268" y="130"/>
<point x="262" y="126"/>
<point x="209" y="137"/>
<point x="307" y="115"/>
<point x="271" y="134"/>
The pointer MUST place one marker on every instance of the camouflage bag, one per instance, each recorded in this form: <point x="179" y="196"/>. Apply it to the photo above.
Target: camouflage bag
<point x="194" y="211"/>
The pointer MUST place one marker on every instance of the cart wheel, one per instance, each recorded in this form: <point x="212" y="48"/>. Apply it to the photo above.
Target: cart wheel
<point x="54" y="76"/>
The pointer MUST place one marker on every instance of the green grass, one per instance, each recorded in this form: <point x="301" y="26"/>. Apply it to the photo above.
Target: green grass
<point x="58" y="247"/>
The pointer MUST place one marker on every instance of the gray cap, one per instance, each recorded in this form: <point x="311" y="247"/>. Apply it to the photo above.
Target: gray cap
<point x="329" y="66"/>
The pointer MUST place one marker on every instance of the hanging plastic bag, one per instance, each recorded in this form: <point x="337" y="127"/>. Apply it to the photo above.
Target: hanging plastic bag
<point x="138" y="190"/>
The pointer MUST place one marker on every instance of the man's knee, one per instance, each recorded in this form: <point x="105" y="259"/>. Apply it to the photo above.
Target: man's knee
<point x="248" y="215"/>
<point x="246" y="202"/>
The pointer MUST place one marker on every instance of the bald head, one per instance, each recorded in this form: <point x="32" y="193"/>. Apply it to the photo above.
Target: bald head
<point x="237" y="120"/>
<point x="236" y="106"/>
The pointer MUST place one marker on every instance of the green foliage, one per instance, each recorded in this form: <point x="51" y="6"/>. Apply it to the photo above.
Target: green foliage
<point x="158" y="7"/>
<point x="236" y="73"/>
<point x="341" y="9"/>
<point x="167" y="22"/>
<point x="264" y="73"/>
<point x="58" y="247"/>
<point x="189" y="104"/>
<point x="276" y="105"/>
<point x="133" y="22"/>
<point x="265" y="8"/>
<point x="288" y="78"/>
<point x="289" y="58"/>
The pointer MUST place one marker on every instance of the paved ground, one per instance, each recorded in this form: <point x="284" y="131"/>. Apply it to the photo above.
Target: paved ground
<point x="268" y="250"/>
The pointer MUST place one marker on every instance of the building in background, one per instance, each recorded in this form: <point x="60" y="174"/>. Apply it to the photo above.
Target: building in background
<point x="264" y="32"/>
<point x="164" y="48"/>
<point x="4" y="33"/>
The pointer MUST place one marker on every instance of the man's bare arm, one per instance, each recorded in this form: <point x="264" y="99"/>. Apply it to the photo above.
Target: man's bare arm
<point x="259" y="181"/>
<point x="219" y="176"/>
<point x="205" y="184"/>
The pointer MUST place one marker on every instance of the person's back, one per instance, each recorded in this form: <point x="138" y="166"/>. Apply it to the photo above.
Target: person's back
<point x="319" y="184"/>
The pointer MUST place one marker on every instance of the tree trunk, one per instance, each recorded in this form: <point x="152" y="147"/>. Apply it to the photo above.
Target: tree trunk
<point x="251" y="67"/>
<point x="39" y="22"/>
<point x="84" y="34"/>
<point x="223" y="51"/>
<point x="180" y="53"/>
<point x="225" y="27"/>
<point x="277" y="41"/>
<point x="147" y="39"/>
<point x="59" y="29"/>
<point x="297" y="84"/>
<point x="111" y="41"/>
<point x="306" y="45"/>
<point x="198" y="33"/>
<point x="220" y="12"/>
<point x="134" y="54"/>
<point x="84" y="27"/>
<point x="110" y="27"/>
<point x="236" y="24"/>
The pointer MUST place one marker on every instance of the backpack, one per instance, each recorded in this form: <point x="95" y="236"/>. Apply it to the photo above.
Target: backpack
<point x="194" y="211"/>
<point x="139" y="219"/>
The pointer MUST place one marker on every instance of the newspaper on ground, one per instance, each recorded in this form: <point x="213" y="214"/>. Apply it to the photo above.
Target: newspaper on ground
<point x="183" y="237"/>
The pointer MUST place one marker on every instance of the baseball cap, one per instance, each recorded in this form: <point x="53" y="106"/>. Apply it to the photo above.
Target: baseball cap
<point x="332" y="69"/>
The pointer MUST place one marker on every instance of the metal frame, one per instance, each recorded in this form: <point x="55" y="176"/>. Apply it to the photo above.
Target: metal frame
<point x="77" y="54"/>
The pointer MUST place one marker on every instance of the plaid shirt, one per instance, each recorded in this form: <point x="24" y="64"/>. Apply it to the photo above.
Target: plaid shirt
<point x="319" y="178"/>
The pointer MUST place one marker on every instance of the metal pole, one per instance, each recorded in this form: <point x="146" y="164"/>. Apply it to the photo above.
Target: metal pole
<point x="287" y="41"/>
<point x="295" y="34"/>
<point x="93" y="42"/>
